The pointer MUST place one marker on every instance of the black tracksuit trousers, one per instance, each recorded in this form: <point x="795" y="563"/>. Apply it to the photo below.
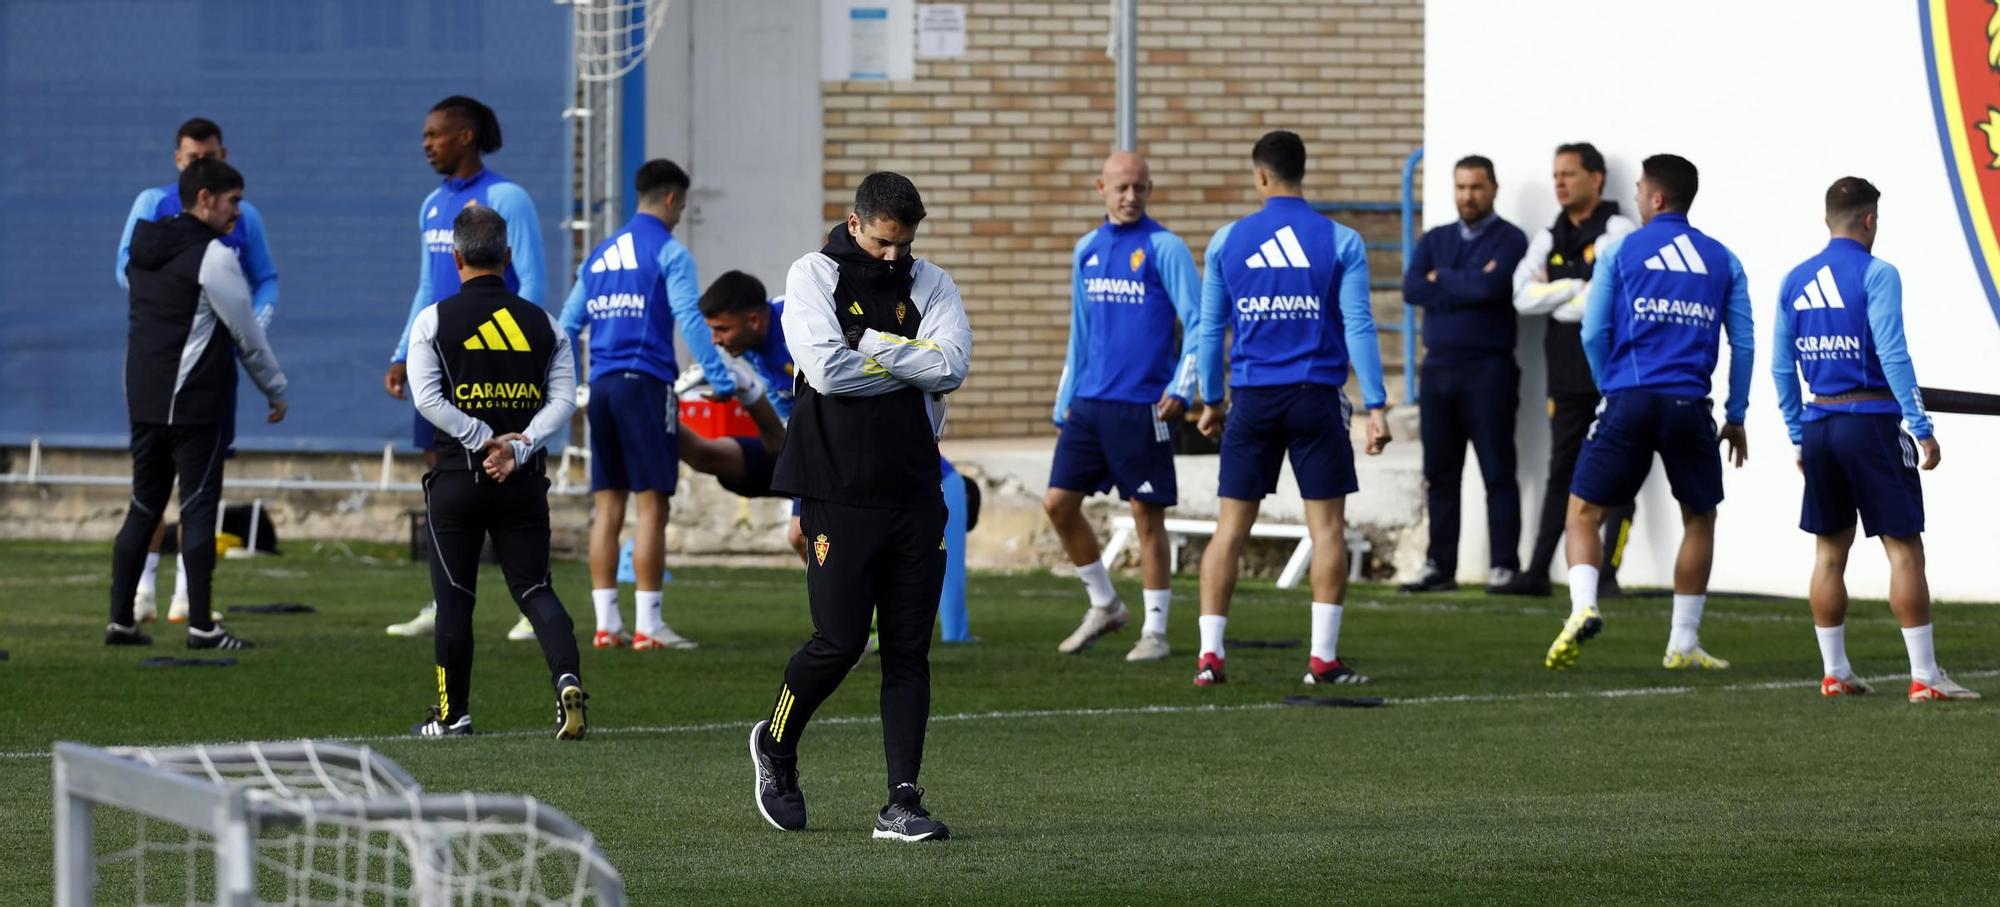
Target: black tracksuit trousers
<point x="160" y="453"/>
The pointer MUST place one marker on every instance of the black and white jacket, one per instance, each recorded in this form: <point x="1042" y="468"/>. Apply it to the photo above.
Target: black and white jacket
<point x="184" y="285"/>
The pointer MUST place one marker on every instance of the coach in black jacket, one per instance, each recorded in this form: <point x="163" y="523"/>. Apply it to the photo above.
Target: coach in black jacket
<point x="180" y="388"/>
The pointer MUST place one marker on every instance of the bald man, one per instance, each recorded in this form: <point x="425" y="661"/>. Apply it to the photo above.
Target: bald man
<point x="1125" y="384"/>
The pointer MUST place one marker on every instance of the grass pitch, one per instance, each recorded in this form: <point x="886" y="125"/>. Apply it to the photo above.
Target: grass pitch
<point x="1084" y="779"/>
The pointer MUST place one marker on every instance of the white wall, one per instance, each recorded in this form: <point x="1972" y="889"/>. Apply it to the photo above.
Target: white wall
<point x="1772" y="101"/>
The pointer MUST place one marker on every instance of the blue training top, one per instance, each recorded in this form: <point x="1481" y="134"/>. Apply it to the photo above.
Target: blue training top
<point x="773" y="362"/>
<point x="1270" y="276"/>
<point x="1659" y="299"/>
<point x="438" y="277"/>
<point x="252" y="249"/>
<point x="1840" y="322"/>
<point x="636" y="288"/>
<point x="1128" y="282"/>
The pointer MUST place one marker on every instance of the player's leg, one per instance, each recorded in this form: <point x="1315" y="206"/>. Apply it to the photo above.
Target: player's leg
<point x="424" y="435"/>
<point x="456" y="514"/>
<point x="718" y="457"/>
<point x="649" y="564"/>
<point x="145" y="599"/>
<point x="1692" y="457"/>
<point x="911" y="565"/>
<point x="1569" y="420"/>
<point x="1141" y="457"/>
<point x="1883" y="459"/>
<point x="1490" y="418"/>
<point x="198" y="460"/>
<point x="1443" y="428"/>
<point x="152" y="487"/>
<point x="1081" y="468"/>
<point x="1253" y="452"/>
<point x="1322" y="453"/>
<point x="607" y="515"/>
<point x="1155" y="578"/>
<point x="519" y="525"/>
<point x="1617" y="453"/>
<point x="1827" y="510"/>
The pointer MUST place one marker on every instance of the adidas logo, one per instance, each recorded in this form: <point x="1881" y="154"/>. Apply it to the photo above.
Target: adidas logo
<point x="433" y="213"/>
<point x="854" y="307"/>
<point x="1144" y="488"/>
<point x="1820" y="293"/>
<point x="1092" y="262"/>
<point x="1280" y="251"/>
<point x="617" y="257"/>
<point x="1678" y="255"/>
<point x="501" y="333"/>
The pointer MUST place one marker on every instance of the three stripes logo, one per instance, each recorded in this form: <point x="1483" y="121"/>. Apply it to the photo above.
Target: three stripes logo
<point x="1280" y="251"/>
<point x="618" y="256"/>
<point x="1092" y="263"/>
<point x="501" y="333"/>
<point x="781" y="712"/>
<point x="1821" y="292"/>
<point x="1678" y="255"/>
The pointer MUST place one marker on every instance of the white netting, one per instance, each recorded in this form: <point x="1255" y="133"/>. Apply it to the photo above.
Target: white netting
<point x="612" y="36"/>
<point x="333" y="825"/>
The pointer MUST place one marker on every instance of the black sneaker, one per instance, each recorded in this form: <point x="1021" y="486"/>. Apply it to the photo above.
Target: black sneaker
<point x="778" y="796"/>
<point x="570" y="719"/>
<point x="1528" y="584"/>
<point x="435" y="726"/>
<point x="115" y="635"/>
<point x="216" y="638"/>
<point x="905" y="818"/>
<point x="1431" y="580"/>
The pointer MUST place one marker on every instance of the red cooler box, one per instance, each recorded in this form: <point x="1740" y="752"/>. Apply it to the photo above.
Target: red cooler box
<point x="714" y="420"/>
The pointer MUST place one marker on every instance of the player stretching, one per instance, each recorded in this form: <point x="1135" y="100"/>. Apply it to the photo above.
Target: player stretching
<point x="1124" y="387"/>
<point x="1659" y="298"/>
<point x="1270" y="278"/>
<point x="1840" y="322"/>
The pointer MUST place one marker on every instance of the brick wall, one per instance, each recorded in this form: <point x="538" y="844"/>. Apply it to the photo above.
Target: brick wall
<point x="1006" y="144"/>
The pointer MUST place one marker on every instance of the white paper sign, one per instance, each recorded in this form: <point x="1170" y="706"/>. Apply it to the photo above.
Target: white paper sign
<point x="867" y="39"/>
<point x="940" y="31"/>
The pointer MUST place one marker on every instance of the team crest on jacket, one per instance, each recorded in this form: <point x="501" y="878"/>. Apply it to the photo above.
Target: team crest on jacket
<point x="1962" y="55"/>
<point x="1138" y="258"/>
<point x="820" y="547"/>
<point x="902" y="308"/>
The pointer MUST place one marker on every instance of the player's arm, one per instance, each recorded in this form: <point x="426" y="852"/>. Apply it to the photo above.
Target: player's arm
<point x="1214" y="318"/>
<point x="1073" y="355"/>
<point x="1785" y="373"/>
<point x="1364" y="350"/>
<point x="575" y="314"/>
<point x="1597" y="312"/>
<point x="228" y="293"/>
<point x="427" y="386"/>
<point x="142" y="209"/>
<point x="684" y="299"/>
<point x="558" y="399"/>
<point x="1741" y="325"/>
<point x="423" y="297"/>
<point x="934" y="361"/>
<point x="258" y="267"/>
<point x="524" y="239"/>
<point x="1534" y="294"/>
<point x="818" y="345"/>
<point x="1885" y="323"/>
<point x="1418" y="287"/>
<point x="1176" y="268"/>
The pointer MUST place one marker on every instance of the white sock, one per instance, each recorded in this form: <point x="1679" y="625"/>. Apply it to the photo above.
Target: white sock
<point x="1211" y="633"/>
<point x="1157" y="603"/>
<point x="606" y="603"/>
<point x="151" y="574"/>
<point x="1923" y="657"/>
<point x="1097" y="582"/>
<point x="180" y="577"/>
<point x="1326" y="631"/>
<point x="647" y="615"/>
<point x="1686" y="634"/>
<point x="1833" y="651"/>
<point x="1582" y="588"/>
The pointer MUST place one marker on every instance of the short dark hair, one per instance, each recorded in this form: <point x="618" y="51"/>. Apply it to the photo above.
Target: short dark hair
<point x="659" y="177"/>
<point x="207" y="173"/>
<point x="1675" y="177"/>
<point x="889" y="195"/>
<point x="480" y="234"/>
<point x="199" y="129"/>
<point x="1478" y="162"/>
<point x="1849" y="199"/>
<point x="1586" y="154"/>
<point x="1283" y="154"/>
<point x="734" y="291"/>
<point x="485" y="126"/>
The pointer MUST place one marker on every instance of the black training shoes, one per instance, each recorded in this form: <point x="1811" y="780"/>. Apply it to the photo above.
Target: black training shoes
<point x="905" y="818"/>
<point x="779" y="799"/>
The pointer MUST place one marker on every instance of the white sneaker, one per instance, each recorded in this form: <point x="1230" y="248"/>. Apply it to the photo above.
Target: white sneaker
<point x="1097" y="621"/>
<point x="523" y="631"/>
<point x="177" y="613"/>
<point x="1941" y="688"/>
<point x="664" y="638"/>
<point x="1151" y="647"/>
<point x="424" y="624"/>
<point x="145" y="606"/>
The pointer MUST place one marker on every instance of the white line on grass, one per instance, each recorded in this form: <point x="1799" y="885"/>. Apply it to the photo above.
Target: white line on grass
<point x="1004" y="715"/>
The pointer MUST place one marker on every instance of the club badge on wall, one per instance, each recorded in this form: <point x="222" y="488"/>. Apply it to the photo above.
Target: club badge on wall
<point x="1961" y="53"/>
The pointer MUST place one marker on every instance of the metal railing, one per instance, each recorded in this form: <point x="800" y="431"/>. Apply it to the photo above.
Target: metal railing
<point x="1406" y="209"/>
<point x="384" y="482"/>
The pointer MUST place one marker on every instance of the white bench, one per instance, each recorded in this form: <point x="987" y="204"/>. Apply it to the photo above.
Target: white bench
<point x="1124" y="530"/>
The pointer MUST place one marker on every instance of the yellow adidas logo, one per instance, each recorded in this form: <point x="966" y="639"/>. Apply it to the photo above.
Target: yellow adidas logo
<point x="501" y="333"/>
<point x="854" y="307"/>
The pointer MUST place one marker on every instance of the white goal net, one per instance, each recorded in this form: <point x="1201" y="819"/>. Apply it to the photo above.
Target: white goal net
<point x="304" y="823"/>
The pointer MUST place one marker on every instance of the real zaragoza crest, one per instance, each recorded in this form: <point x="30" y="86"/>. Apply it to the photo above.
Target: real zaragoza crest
<point x="820" y="546"/>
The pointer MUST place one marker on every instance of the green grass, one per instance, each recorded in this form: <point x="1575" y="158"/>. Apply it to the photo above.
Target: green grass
<point x="1485" y="779"/>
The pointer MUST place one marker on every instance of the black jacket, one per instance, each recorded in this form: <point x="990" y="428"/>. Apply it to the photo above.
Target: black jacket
<point x="190" y="317"/>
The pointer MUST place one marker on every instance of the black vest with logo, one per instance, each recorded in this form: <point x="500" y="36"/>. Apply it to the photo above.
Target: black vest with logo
<point x="1572" y="254"/>
<point x="874" y="451"/>
<point x="495" y="348"/>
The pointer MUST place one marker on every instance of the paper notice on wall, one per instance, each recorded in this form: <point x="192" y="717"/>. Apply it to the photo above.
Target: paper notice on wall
<point x="867" y="39"/>
<point x="940" y="31"/>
